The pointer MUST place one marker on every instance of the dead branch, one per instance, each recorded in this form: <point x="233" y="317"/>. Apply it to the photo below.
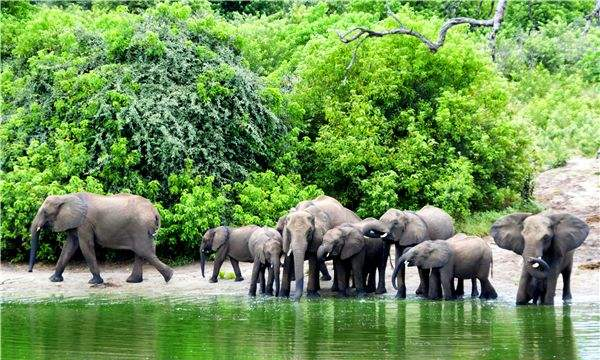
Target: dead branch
<point x="360" y="33"/>
<point x="595" y="14"/>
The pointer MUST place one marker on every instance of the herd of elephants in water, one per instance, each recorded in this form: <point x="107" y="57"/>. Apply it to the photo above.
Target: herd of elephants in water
<point x="321" y="230"/>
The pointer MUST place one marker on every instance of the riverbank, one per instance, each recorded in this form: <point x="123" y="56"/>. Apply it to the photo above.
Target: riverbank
<point x="573" y="188"/>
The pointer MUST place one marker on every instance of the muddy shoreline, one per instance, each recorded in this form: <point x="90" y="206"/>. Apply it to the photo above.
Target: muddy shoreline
<point x="573" y="188"/>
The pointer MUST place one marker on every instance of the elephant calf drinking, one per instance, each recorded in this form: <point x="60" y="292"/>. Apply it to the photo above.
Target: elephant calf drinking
<point x="461" y="256"/>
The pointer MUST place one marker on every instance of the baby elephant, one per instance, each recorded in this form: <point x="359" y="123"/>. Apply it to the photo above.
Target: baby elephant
<point x="227" y="242"/>
<point x="266" y="248"/>
<point x="462" y="257"/>
<point x="353" y="252"/>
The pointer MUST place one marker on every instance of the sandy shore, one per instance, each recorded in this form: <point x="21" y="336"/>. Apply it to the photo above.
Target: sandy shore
<point x="573" y="188"/>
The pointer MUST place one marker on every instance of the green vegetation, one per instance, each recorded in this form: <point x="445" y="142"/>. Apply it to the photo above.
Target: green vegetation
<point x="231" y="113"/>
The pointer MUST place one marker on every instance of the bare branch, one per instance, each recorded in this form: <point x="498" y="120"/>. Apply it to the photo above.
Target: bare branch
<point x="363" y="33"/>
<point x="595" y="14"/>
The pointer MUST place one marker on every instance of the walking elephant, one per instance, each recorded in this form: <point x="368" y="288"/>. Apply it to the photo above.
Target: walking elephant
<point x="265" y="246"/>
<point x="547" y="243"/>
<point x="227" y="242"/>
<point x="405" y="229"/>
<point x="357" y="254"/>
<point x="302" y="230"/>
<point x="461" y="256"/>
<point x="121" y="221"/>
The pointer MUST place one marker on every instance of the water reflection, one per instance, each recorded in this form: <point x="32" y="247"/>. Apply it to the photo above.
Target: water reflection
<point x="328" y="328"/>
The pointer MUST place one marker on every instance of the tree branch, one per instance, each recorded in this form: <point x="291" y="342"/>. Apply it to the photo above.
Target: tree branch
<point x="363" y="33"/>
<point x="595" y="14"/>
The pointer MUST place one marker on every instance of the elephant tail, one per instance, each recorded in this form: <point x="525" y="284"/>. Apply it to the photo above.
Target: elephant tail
<point x="391" y="264"/>
<point x="156" y="226"/>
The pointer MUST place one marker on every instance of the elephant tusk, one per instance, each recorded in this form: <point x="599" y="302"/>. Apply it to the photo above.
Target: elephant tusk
<point x="384" y="235"/>
<point x="535" y="265"/>
<point x="38" y="228"/>
<point x="289" y="252"/>
<point x="327" y="255"/>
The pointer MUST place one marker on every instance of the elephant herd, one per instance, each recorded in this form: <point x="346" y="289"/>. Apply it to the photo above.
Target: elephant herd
<point x="322" y="230"/>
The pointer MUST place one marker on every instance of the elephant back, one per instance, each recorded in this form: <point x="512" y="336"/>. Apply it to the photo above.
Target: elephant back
<point x="440" y="225"/>
<point x="337" y="213"/>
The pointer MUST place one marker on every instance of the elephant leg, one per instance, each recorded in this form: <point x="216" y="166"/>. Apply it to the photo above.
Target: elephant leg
<point x="424" y="282"/>
<point x="548" y="296"/>
<point x="487" y="290"/>
<point x="435" y="286"/>
<point x="474" y="292"/>
<point x="136" y="273"/>
<point x="446" y="278"/>
<point x="219" y="259"/>
<point x="357" y="274"/>
<point x="236" y="269"/>
<point x="254" y="278"/>
<point x="340" y="271"/>
<point x="162" y="268"/>
<point x="401" y="293"/>
<point x="86" y="243"/>
<point x="371" y="280"/>
<point x="313" y="276"/>
<point x="334" y="286"/>
<point x="325" y="276"/>
<point x="523" y="295"/>
<point x="566" y="276"/>
<point x="381" y="277"/>
<point x="288" y="270"/>
<point x="67" y="252"/>
<point x="270" y="281"/>
<point x="262" y="280"/>
<point x="460" y="287"/>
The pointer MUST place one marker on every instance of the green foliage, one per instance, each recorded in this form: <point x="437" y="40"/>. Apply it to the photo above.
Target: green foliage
<point x="479" y="223"/>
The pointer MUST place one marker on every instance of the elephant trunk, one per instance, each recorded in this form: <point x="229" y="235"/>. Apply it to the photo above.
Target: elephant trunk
<point x="534" y="264"/>
<point x="323" y="252"/>
<point x="395" y="273"/>
<point x="202" y="261"/>
<point x="36" y="225"/>
<point x="299" y="253"/>
<point x="277" y="270"/>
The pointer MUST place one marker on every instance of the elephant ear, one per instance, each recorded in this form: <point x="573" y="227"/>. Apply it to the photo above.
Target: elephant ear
<point x="354" y="242"/>
<point x="286" y="241"/>
<point x="260" y="249"/>
<point x="569" y="232"/>
<point x="221" y="236"/>
<point x="506" y="232"/>
<point x="71" y="213"/>
<point x="437" y="256"/>
<point x="415" y="229"/>
<point x="281" y="223"/>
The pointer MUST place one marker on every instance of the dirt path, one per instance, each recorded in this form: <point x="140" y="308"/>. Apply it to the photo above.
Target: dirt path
<point x="573" y="188"/>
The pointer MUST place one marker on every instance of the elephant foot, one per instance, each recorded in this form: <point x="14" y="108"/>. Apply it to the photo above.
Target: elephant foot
<point x="341" y="295"/>
<point x="474" y="293"/>
<point x="297" y="296"/>
<point x="96" y="279"/>
<point x="380" y="291"/>
<point x="56" y="278"/>
<point x="361" y="294"/>
<point x="239" y="278"/>
<point x="326" y="277"/>
<point x="134" y="279"/>
<point x="168" y="274"/>
<point x="213" y="280"/>
<point x="269" y="292"/>
<point x="567" y="297"/>
<point x="312" y="295"/>
<point x="401" y="293"/>
<point x="335" y="288"/>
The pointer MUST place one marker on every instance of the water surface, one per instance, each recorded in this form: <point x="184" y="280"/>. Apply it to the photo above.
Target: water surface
<point x="225" y="327"/>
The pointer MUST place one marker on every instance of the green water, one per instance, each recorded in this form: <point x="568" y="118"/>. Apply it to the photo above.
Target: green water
<point x="225" y="327"/>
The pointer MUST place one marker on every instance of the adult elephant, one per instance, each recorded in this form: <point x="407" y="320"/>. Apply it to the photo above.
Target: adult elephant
<point x="121" y="221"/>
<point x="302" y="230"/>
<point x="405" y="229"/>
<point x="547" y="243"/>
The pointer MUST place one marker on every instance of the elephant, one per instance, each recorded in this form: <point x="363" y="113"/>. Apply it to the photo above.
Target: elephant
<point x="227" y="242"/>
<point x="355" y="253"/>
<point x="547" y="243"/>
<point x="461" y="256"/>
<point x="302" y="231"/>
<point x="405" y="229"/>
<point x="121" y="221"/>
<point x="265" y="246"/>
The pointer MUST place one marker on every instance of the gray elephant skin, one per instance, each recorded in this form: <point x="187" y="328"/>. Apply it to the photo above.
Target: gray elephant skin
<point x="405" y="229"/>
<point x="547" y="243"/>
<point x="354" y="253"/>
<point x="302" y="230"/>
<point x="461" y="256"/>
<point x="226" y="242"/>
<point x="121" y="221"/>
<point x="266" y="248"/>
